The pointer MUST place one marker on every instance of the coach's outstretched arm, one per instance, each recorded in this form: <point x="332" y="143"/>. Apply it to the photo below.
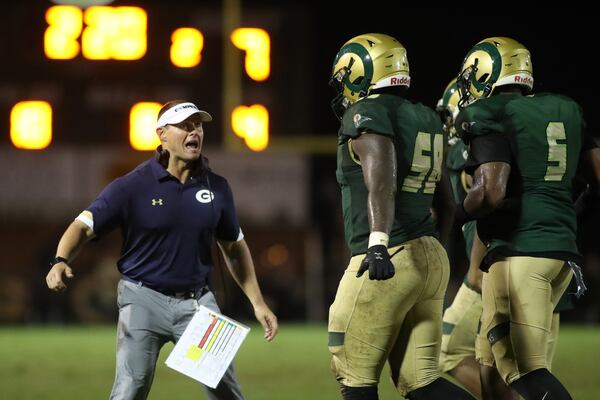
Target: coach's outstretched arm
<point x="239" y="262"/>
<point x="71" y="242"/>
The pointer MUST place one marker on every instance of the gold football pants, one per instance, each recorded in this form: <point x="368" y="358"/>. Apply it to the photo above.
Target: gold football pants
<point x="519" y="295"/>
<point x="398" y="320"/>
<point x="461" y="321"/>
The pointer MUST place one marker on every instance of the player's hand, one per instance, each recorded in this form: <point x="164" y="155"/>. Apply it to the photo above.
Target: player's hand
<point x="377" y="261"/>
<point x="54" y="279"/>
<point x="267" y="319"/>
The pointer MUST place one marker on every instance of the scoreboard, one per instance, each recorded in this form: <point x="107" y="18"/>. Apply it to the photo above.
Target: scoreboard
<point x="98" y="74"/>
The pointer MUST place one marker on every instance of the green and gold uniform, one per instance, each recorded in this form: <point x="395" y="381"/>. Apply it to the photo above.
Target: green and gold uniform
<point x="461" y="318"/>
<point x="532" y="234"/>
<point x="417" y="136"/>
<point x="543" y="137"/>
<point x="399" y="319"/>
<point x="455" y="164"/>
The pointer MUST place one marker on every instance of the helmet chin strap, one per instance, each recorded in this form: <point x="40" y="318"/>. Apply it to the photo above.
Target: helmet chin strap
<point x="339" y="105"/>
<point x="339" y="102"/>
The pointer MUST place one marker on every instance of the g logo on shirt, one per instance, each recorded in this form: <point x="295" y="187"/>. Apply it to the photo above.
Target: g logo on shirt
<point x="205" y="196"/>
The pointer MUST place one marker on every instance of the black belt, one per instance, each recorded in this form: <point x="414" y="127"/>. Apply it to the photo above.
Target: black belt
<point x="177" y="293"/>
<point x="185" y="294"/>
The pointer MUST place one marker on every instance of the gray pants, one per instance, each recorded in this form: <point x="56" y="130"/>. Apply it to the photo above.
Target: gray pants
<point x="147" y="320"/>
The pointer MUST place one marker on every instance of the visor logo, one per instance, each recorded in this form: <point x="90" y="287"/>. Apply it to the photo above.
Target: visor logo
<point x="400" y="80"/>
<point x="205" y="196"/>
<point x="526" y="80"/>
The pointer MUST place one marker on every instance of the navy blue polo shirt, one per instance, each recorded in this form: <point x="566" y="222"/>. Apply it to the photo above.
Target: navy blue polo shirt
<point x="168" y="227"/>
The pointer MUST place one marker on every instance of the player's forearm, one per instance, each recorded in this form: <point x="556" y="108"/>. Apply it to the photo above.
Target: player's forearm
<point x="477" y="204"/>
<point x="488" y="190"/>
<point x="73" y="240"/>
<point x="381" y="210"/>
<point x="378" y="158"/>
<point x="380" y="179"/>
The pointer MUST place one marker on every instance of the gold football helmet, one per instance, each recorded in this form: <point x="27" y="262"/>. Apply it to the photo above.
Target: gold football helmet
<point x="364" y="63"/>
<point x="491" y="63"/>
<point x="447" y="107"/>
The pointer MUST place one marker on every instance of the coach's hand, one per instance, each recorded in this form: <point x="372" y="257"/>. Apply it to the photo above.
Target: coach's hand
<point x="54" y="279"/>
<point x="267" y="319"/>
<point x="377" y="261"/>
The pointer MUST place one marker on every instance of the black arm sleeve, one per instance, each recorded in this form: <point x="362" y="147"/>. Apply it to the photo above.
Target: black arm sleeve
<point x="493" y="147"/>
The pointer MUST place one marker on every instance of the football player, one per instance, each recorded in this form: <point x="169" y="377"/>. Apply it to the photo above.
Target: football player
<point x="388" y="305"/>
<point x="461" y="319"/>
<point x="524" y="151"/>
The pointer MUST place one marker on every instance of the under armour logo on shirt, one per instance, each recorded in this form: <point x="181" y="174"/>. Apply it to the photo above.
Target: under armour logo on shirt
<point x="157" y="202"/>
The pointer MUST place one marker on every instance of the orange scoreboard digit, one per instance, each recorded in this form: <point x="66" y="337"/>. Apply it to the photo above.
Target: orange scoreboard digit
<point x="77" y="44"/>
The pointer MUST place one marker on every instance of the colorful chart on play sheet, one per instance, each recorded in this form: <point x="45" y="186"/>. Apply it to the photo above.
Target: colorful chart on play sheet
<point x="207" y="346"/>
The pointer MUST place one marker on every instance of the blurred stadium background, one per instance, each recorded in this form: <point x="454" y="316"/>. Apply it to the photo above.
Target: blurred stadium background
<point x="79" y="87"/>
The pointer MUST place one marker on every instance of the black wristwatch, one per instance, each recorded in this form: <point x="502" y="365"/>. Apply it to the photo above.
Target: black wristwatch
<point x="56" y="260"/>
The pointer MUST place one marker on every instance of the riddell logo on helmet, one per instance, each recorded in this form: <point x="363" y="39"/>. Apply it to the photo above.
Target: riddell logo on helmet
<point x="401" y="80"/>
<point x="524" y="79"/>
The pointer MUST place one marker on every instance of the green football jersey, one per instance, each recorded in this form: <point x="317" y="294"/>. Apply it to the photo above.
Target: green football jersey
<point x="456" y="157"/>
<point x="545" y="132"/>
<point x="416" y="133"/>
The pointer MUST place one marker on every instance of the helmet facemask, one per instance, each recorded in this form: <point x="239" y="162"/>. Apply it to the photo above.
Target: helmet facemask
<point x="464" y="81"/>
<point x="339" y="102"/>
<point x="338" y="81"/>
<point x="447" y="109"/>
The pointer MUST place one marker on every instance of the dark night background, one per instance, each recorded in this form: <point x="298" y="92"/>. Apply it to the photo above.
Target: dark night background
<point x="305" y="37"/>
<point x="561" y="44"/>
<point x="91" y="101"/>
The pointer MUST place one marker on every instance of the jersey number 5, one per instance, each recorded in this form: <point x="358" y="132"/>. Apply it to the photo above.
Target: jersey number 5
<point x="557" y="151"/>
<point x="426" y="165"/>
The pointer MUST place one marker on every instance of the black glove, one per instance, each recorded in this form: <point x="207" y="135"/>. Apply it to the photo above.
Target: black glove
<point x="377" y="261"/>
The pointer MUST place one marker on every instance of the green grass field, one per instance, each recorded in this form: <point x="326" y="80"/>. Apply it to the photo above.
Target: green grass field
<point x="78" y="363"/>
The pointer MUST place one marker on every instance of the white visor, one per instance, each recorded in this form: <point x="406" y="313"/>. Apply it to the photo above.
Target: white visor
<point x="517" y="79"/>
<point x="399" y="79"/>
<point x="181" y="112"/>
